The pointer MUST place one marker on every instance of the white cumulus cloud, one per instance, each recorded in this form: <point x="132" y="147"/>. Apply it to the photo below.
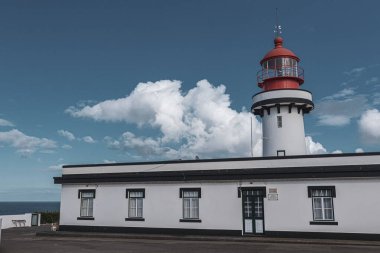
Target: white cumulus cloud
<point x="158" y="104"/>
<point x="314" y="147"/>
<point x="68" y="135"/>
<point x="338" y="151"/>
<point x="369" y="126"/>
<point x="88" y="139"/>
<point x="140" y="145"/>
<point x="24" y="144"/>
<point x="198" y="122"/>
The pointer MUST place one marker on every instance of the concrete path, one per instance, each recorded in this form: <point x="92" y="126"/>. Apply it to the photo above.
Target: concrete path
<point x="25" y="240"/>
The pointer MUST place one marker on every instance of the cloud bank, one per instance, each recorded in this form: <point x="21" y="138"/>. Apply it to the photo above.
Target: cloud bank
<point x="340" y="108"/>
<point x="199" y="122"/>
<point x="71" y="137"/>
<point x="24" y="144"/>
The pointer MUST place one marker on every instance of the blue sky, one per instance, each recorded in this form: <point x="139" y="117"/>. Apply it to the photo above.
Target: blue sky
<point x="118" y="81"/>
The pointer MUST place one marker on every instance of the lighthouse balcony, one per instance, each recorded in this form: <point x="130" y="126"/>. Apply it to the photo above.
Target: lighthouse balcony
<point x="292" y="98"/>
<point x="292" y="72"/>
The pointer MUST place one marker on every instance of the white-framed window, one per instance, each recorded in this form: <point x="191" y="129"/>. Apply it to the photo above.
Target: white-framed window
<point x="322" y="202"/>
<point x="135" y="202"/>
<point x="190" y="203"/>
<point x="86" y="202"/>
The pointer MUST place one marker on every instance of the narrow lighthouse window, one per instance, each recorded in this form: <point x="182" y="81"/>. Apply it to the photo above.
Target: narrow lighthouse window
<point x="279" y="121"/>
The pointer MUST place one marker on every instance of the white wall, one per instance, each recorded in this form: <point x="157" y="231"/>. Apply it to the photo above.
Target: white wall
<point x="7" y="220"/>
<point x="356" y="206"/>
<point x="290" y="137"/>
<point x="162" y="206"/>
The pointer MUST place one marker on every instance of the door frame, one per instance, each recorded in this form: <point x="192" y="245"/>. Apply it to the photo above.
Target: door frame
<point x="31" y="219"/>
<point x="241" y="195"/>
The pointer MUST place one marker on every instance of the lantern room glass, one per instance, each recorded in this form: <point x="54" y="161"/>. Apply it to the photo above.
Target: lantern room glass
<point x="280" y="63"/>
<point x="280" y="66"/>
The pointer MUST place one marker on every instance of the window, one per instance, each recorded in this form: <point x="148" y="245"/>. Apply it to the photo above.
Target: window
<point x="135" y="203"/>
<point x="86" y="202"/>
<point x="190" y="203"/>
<point x="279" y="121"/>
<point x="322" y="202"/>
<point x="280" y="152"/>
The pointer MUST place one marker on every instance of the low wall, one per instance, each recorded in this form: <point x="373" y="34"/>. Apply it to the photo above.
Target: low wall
<point x="18" y="220"/>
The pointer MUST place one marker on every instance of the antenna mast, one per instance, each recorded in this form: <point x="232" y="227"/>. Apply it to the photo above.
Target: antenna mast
<point x="277" y="28"/>
<point x="251" y="139"/>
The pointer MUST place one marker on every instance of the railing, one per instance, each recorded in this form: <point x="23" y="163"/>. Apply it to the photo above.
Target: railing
<point x="264" y="74"/>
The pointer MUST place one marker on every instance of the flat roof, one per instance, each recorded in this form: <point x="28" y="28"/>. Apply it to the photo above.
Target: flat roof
<point x="310" y="166"/>
<point x="179" y="161"/>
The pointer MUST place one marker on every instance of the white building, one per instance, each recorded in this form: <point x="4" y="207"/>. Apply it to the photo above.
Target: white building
<point x="324" y="194"/>
<point x="284" y="193"/>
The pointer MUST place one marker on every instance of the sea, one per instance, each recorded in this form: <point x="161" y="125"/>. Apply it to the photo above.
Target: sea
<point x="7" y="208"/>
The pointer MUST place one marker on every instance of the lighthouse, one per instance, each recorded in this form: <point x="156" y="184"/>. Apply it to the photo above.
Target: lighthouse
<point x="282" y="104"/>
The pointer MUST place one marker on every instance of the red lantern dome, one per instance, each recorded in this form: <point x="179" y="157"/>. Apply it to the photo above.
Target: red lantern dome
<point x="279" y="51"/>
<point x="280" y="69"/>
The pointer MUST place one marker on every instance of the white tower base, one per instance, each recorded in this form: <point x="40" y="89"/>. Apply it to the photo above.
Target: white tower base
<point x="282" y="118"/>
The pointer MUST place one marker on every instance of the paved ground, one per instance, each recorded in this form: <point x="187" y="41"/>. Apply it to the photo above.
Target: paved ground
<point x="24" y="240"/>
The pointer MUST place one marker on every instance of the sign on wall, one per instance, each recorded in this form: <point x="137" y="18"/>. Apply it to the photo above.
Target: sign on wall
<point x="272" y="194"/>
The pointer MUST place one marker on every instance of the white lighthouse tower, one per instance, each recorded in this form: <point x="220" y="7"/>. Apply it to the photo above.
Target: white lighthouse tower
<point x="282" y="104"/>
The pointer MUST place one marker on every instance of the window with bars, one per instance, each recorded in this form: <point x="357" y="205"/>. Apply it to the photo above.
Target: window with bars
<point x="190" y="203"/>
<point x="253" y="206"/>
<point x="86" y="202"/>
<point x="258" y="205"/>
<point x="322" y="202"/>
<point x="135" y="202"/>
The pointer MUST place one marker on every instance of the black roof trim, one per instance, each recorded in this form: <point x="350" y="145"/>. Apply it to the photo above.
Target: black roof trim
<point x="343" y="171"/>
<point x="287" y="100"/>
<point x="223" y="159"/>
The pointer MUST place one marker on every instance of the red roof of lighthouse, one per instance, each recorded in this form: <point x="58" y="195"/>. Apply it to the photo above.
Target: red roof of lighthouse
<point x="279" y="51"/>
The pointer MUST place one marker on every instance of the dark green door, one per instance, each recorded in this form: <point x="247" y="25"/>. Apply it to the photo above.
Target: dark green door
<point x="253" y="210"/>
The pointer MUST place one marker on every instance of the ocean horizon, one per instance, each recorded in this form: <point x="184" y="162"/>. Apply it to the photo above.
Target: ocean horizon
<point x="21" y="207"/>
